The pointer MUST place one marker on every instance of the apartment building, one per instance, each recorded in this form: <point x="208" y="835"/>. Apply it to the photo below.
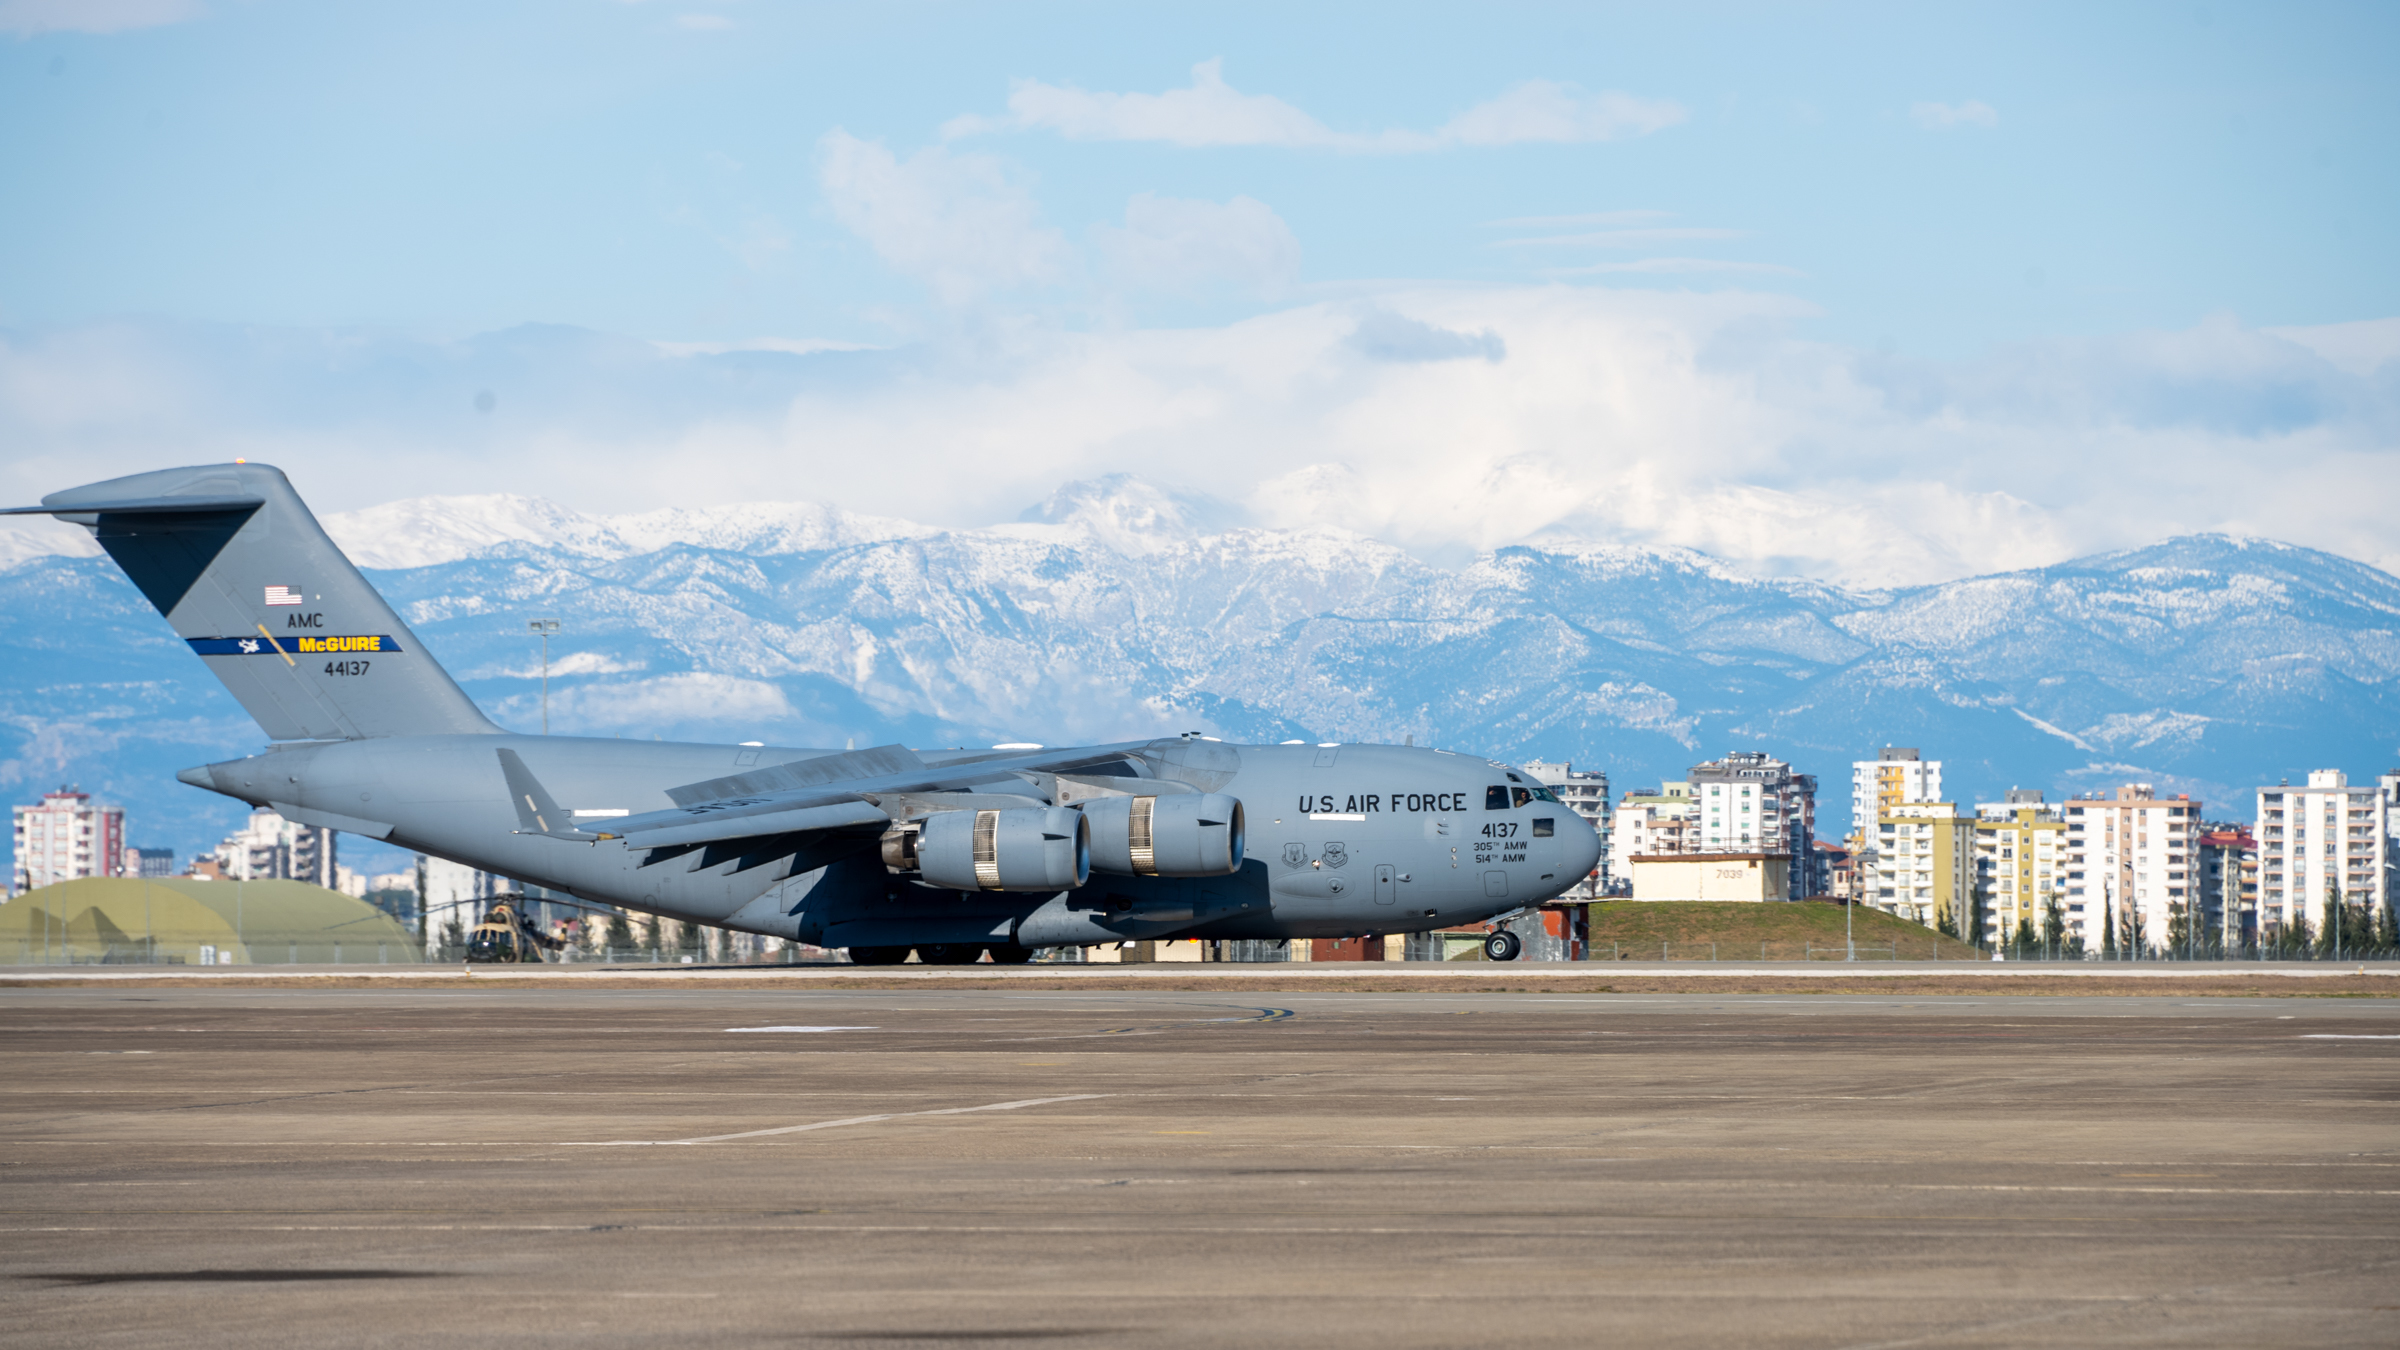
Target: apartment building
<point x="1895" y="776"/>
<point x="2314" y="839"/>
<point x="2225" y="857"/>
<point x="2129" y="857"/>
<point x="2020" y="864"/>
<point x="1924" y="863"/>
<point x="2390" y="783"/>
<point x="63" y="837"/>
<point x="1647" y="824"/>
<point x="1586" y="794"/>
<point x="149" y="862"/>
<point x="271" y="848"/>
<point x="1752" y="802"/>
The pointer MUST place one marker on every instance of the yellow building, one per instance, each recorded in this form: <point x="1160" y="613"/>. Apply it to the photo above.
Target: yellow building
<point x="1924" y="863"/>
<point x="130" y="921"/>
<point x="2021" y="859"/>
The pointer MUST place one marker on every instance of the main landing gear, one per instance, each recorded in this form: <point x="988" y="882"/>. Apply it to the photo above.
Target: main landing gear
<point x="1502" y="945"/>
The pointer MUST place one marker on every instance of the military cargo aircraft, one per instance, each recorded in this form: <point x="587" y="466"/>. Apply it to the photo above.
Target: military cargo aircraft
<point x="949" y="853"/>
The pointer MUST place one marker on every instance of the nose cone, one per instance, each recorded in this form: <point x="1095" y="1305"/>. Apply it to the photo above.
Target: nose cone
<point x="1578" y="850"/>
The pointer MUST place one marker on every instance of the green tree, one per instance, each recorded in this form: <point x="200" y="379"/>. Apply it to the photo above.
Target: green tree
<point x="2108" y="930"/>
<point x="619" y="937"/>
<point x="653" y="941"/>
<point x="2329" y="937"/>
<point x="2295" y="938"/>
<point x="691" y="940"/>
<point x="2179" y="929"/>
<point x="2054" y="925"/>
<point x="2025" y="939"/>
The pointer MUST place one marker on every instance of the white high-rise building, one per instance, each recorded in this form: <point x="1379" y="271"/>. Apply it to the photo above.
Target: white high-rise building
<point x="63" y="837"/>
<point x="1896" y="777"/>
<point x="270" y="848"/>
<point x="1649" y="824"/>
<point x="1752" y="802"/>
<point x="2131" y="853"/>
<point x="2390" y="783"/>
<point x="2312" y="839"/>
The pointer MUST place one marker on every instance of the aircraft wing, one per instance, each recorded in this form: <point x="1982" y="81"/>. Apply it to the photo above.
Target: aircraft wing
<point x="761" y="809"/>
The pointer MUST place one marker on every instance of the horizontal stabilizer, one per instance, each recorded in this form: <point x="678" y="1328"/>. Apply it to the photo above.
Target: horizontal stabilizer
<point x="137" y="506"/>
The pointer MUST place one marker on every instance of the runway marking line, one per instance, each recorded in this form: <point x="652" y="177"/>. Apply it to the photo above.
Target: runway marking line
<point x="740" y="1029"/>
<point x="2343" y="1036"/>
<point x="835" y="1124"/>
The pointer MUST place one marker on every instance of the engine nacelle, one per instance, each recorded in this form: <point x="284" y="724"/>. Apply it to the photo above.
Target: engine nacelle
<point x="1037" y="848"/>
<point x="1185" y="834"/>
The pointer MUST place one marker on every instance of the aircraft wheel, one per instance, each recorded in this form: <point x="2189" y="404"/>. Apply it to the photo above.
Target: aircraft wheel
<point x="1502" y="946"/>
<point x="1010" y="954"/>
<point x="878" y="956"/>
<point x="950" y="953"/>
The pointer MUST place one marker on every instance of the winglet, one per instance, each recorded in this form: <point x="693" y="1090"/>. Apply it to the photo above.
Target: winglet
<point x="537" y="811"/>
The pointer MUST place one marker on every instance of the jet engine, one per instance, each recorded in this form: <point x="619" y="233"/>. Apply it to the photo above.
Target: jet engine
<point x="1027" y="849"/>
<point x="1186" y="834"/>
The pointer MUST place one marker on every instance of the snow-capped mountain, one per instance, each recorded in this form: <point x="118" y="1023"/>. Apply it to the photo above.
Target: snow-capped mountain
<point x="2204" y="664"/>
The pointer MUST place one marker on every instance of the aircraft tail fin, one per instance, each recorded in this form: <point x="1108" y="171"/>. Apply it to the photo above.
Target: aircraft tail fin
<point x="241" y="569"/>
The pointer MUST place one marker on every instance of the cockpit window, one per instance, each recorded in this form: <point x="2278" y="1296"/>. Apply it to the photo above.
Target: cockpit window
<point x="1495" y="798"/>
<point x="1543" y="794"/>
<point x="1514" y="779"/>
<point x="1520" y="796"/>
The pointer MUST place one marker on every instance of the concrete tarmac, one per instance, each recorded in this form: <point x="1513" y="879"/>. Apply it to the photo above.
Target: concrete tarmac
<point x="567" y="1165"/>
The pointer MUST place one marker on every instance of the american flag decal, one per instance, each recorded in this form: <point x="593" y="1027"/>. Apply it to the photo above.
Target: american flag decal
<point x="283" y="595"/>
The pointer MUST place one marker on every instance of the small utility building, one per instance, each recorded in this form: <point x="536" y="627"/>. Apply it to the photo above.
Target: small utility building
<point x="1712" y="876"/>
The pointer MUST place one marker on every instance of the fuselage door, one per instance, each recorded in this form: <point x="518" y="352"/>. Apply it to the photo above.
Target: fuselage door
<point x="1387" y="888"/>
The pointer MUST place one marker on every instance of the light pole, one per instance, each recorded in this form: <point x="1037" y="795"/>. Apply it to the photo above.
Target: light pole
<point x="543" y="628"/>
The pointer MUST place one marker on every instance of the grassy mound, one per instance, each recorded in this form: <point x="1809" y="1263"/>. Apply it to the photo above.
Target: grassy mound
<point x="1683" y="930"/>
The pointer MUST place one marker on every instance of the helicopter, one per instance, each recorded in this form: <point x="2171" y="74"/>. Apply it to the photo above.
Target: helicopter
<point x="507" y="937"/>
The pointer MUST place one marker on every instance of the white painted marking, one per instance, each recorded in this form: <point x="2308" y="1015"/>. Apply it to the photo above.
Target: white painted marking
<point x="800" y="1028"/>
<point x="597" y="813"/>
<point x="837" y="1124"/>
<point x="2339" y="1036"/>
<point x="1333" y="815"/>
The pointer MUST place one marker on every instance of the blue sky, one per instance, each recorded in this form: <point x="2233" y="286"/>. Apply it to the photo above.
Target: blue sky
<point x="1752" y="279"/>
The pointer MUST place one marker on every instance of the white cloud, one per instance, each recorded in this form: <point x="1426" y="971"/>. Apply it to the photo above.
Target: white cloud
<point x="1539" y="111"/>
<point x="2360" y="348"/>
<point x="1173" y="244"/>
<point x="27" y="17"/>
<point x="1641" y="238"/>
<point x="1440" y="418"/>
<point x="1678" y="266"/>
<point x="963" y="224"/>
<point x="1214" y="113"/>
<point x="1634" y="217"/>
<point x="1944" y="116"/>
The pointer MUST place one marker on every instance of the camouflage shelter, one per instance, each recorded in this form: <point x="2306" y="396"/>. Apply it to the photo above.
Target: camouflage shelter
<point x="129" y="921"/>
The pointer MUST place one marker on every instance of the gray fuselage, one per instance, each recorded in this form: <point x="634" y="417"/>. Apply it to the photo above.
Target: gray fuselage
<point x="1343" y="840"/>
